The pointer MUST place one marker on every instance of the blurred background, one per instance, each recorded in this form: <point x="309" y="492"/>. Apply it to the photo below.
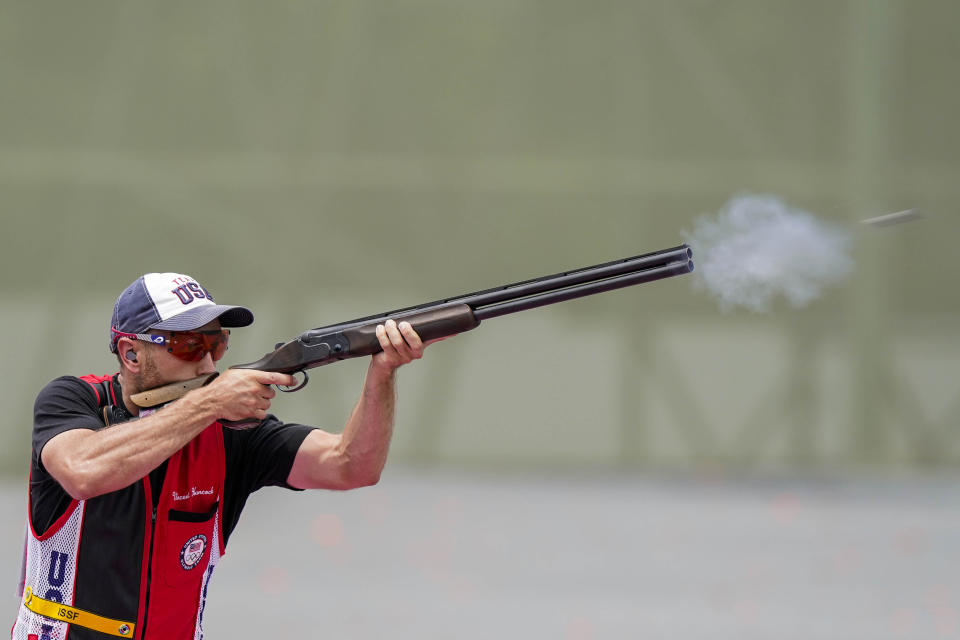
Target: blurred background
<point x="319" y="161"/>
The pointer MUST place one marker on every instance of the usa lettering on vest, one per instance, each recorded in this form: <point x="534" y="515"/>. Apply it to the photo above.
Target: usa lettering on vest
<point x="50" y="570"/>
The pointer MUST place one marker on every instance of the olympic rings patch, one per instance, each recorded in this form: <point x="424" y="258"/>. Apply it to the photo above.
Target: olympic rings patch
<point x="192" y="551"/>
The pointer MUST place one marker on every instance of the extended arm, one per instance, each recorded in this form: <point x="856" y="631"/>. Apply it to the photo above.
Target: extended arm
<point x="89" y="463"/>
<point x="356" y="457"/>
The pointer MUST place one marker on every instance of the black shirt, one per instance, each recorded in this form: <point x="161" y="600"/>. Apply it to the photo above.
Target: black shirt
<point x="255" y="458"/>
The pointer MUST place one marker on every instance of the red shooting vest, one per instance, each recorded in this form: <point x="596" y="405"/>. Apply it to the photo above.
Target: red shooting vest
<point x="179" y="545"/>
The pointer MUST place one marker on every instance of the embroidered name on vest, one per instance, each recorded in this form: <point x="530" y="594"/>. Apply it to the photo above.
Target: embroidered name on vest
<point x="193" y="492"/>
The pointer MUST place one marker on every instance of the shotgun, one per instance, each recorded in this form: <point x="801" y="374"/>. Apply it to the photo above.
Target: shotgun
<point x="445" y="317"/>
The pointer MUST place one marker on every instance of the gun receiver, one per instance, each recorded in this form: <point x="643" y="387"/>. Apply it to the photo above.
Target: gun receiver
<point x="451" y="316"/>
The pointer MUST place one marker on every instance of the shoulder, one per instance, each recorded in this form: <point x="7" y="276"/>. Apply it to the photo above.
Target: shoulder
<point x="67" y="392"/>
<point x="271" y="428"/>
<point x="64" y="404"/>
<point x="272" y="431"/>
<point x="264" y="453"/>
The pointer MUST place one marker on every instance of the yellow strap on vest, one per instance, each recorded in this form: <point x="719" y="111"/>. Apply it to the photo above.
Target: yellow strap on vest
<point x="57" y="611"/>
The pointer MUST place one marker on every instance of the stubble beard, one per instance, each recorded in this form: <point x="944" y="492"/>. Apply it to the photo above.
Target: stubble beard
<point x="148" y="377"/>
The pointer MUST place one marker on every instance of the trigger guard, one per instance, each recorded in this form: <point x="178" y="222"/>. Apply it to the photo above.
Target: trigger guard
<point x="306" y="379"/>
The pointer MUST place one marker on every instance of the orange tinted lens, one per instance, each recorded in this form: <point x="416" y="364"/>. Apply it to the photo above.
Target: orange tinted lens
<point x="194" y="345"/>
<point x="218" y="343"/>
<point x="187" y="346"/>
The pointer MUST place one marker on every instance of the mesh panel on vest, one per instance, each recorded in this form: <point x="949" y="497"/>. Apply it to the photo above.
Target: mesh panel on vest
<point x="214" y="559"/>
<point x="51" y="572"/>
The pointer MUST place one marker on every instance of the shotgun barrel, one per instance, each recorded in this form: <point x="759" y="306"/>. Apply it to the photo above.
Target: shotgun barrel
<point x="449" y="316"/>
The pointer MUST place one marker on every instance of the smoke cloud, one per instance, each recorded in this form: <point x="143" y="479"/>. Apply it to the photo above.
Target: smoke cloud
<point x="758" y="248"/>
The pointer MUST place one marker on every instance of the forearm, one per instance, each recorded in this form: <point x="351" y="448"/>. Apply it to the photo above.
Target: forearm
<point x="92" y="463"/>
<point x="365" y="441"/>
<point x="356" y="457"/>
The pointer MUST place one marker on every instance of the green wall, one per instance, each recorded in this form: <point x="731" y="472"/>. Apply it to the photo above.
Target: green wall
<point x="325" y="160"/>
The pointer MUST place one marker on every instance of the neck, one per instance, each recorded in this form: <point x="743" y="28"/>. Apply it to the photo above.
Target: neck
<point x="126" y="391"/>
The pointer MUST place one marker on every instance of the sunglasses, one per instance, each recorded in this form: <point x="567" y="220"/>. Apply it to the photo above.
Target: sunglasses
<point x="191" y="346"/>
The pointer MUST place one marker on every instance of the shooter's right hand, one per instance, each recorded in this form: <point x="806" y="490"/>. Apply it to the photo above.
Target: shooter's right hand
<point x="243" y="394"/>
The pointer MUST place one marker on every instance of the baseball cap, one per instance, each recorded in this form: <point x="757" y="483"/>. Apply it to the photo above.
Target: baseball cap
<point x="171" y="301"/>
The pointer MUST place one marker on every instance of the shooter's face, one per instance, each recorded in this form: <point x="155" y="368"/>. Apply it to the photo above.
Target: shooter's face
<point x="160" y="367"/>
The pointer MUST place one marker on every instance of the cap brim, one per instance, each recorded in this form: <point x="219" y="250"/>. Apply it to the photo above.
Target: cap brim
<point x="229" y="316"/>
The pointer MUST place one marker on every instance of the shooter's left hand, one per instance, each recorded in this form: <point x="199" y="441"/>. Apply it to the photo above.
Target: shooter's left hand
<point x="400" y="343"/>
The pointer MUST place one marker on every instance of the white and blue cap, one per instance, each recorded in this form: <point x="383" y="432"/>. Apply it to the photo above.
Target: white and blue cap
<point x="171" y="301"/>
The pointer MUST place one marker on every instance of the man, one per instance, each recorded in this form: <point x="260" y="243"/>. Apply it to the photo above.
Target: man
<point x="131" y="509"/>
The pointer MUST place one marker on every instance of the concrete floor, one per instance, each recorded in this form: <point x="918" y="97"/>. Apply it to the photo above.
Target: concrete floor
<point x="581" y="556"/>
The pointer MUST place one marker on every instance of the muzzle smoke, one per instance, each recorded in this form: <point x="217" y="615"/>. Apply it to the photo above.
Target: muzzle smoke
<point x="757" y="248"/>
